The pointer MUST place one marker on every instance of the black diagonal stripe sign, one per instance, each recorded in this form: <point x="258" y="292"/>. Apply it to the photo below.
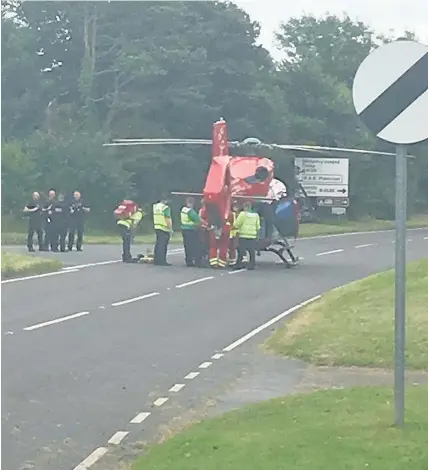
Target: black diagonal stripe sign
<point x="398" y="97"/>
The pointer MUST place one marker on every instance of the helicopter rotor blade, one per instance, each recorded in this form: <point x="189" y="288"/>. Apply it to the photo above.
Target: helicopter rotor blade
<point x="133" y="142"/>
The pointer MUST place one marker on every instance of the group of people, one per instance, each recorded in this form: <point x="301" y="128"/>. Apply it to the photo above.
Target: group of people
<point x="242" y="232"/>
<point x="55" y="221"/>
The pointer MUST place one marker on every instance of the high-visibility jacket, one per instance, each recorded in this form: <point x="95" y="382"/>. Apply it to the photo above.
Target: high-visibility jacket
<point x="189" y="219"/>
<point x="233" y="230"/>
<point x="248" y="224"/>
<point x="132" y="221"/>
<point x="161" y="214"/>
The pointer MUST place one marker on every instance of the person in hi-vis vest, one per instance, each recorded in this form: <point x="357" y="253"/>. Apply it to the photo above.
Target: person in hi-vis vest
<point x="190" y="224"/>
<point x="162" y="223"/>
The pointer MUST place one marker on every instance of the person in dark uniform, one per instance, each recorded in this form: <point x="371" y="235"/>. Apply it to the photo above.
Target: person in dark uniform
<point x="60" y="221"/>
<point x="48" y="225"/>
<point x="190" y="223"/>
<point x="35" y="221"/>
<point x="77" y="221"/>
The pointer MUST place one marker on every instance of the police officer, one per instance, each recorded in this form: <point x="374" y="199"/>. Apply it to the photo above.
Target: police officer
<point x="248" y="227"/>
<point x="48" y="241"/>
<point x="77" y="220"/>
<point x="126" y="226"/>
<point x="60" y="222"/>
<point x="190" y="223"/>
<point x="35" y="221"/>
<point x="162" y="223"/>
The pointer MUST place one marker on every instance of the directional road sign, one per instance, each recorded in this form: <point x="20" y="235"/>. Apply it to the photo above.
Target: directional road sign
<point x="390" y="92"/>
<point x="322" y="177"/>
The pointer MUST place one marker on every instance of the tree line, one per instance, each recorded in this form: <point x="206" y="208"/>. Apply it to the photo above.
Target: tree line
<point x="75" y="74"/>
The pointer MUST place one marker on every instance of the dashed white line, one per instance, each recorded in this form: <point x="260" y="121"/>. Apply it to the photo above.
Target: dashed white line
<point x="217" y="356"/>
<point x="268" y="324"/>
<point x="364" y="246"/>
<point x="237" y="271"/>
<point x="329" y="252"/>
<point x="196" y="281"/>
<point x="118" y="437"/>
<point x="134" y="299"/>
<point x="140" y="417"/>
<point x="57" y="320"/>
<point x="88" y="265"/>
<point x="425" y="238"/>
<point x="191" y="375"/>
<point x="176" y="387"/>
<point x="92" y="458"/>
<point x="160" y="401"/>
<point x="39" y="276"/>
<point x="205" y="365"/>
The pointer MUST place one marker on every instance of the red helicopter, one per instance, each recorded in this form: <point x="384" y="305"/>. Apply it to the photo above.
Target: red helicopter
<point x="233" y="179"/>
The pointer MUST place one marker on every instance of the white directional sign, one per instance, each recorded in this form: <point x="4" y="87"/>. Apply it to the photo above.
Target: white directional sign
<point x="323" y="176"/>
<point x="390" y="92"/>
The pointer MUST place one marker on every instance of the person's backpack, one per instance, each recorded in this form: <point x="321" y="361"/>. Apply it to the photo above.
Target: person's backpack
<point x="125" y="209"/>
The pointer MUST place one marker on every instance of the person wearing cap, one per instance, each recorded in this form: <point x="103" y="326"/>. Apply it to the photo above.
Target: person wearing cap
<point x="248" y="226"/>
<point x="190" y="223"/>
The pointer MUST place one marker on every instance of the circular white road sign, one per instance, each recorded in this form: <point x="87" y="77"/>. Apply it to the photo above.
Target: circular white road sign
<point x="390" y="92"/>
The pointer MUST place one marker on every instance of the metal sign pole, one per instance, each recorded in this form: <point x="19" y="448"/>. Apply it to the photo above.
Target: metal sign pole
<point x="400" y="279"/>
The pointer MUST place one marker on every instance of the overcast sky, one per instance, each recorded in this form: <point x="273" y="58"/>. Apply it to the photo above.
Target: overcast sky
<point x="381" y="15"/>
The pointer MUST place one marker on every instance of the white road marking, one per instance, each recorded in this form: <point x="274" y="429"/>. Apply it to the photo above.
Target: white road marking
<point x="196" y="281"/>
<point x="118" y="437"/>
<point x="140" y="417"/>
<point x="268" y="324"/>
<point x="410" y="240"/>
<point x="92" y="458"/>
<point x="191" y="375"/>
<point x="205" y="365"/>
<point x="160" y="401"/>
<point x="217" y="356"/>
<point x="425" y="238"/>
<point x="134" y="299"/>
<point x="329" y="252"/>
<point x="176" y="387"/>
<point x="369" y="232"/>
<point x="88" y="265"/>
<point x="237" y="271"/>
<point x="9" y="333"/>
<point x="364" y="246"/>
<point x="57" y="320"/>
<point x="39" y="276"/>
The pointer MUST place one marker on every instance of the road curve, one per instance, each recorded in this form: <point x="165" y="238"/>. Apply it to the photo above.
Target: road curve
<point x="87" y="350"/>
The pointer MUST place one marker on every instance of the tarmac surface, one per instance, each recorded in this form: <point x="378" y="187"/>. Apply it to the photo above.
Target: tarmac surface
<point x="95" y="354"/>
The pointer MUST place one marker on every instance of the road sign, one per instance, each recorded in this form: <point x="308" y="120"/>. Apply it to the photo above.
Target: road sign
<point x="322" y="177"/>
<point x="333" y="202"/>
<point x="390" y="92"/>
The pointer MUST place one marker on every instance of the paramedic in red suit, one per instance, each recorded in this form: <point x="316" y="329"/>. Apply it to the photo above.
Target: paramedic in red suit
<point x="219" y="247"/>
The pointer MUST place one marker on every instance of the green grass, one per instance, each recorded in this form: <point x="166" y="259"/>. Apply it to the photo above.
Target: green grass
<point x="16" y="265"/>
<point x="306" y="230"/>
<point x="354" y="324"/>
<point x="336" y="429"/>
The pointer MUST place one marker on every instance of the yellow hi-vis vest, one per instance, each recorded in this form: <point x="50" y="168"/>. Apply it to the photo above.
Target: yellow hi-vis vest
<point x="159" y="219"/>
<point x="248" y="224"/>
<point x="233" y="231"/>
<point x="131" y="221"/>
<point x="185" y="220"/>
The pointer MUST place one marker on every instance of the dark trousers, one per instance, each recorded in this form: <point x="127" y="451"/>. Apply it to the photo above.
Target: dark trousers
<point x="49" y="238"/>
<point x="32" y="229"/>
<point x="75" y="228"/>
<point x="244" y="245"/>
<point x="192" y="247"/>
<point x="126" y="235"/>
<point x="161" y="247"/>
<point x="59" y="236"/>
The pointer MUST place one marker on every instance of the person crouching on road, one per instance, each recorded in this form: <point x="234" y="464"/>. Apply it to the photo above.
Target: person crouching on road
<point x="248" y="226"/>
<point x="190" y="223"/>
<point x="126" y="226"/>
<point x="162" y="223"/>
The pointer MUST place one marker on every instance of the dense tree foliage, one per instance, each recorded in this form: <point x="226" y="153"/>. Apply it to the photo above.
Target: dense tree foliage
<point x="75" y="74"/>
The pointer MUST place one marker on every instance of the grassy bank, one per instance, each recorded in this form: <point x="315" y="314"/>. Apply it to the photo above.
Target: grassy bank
<point x="341" y="429"/>
<point x="307" y="230"/>
<point x="354" y="324"/>
<point x="16" y="265"/>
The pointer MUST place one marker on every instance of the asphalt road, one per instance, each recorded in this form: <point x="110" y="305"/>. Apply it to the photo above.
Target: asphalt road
<point x="88" y="349"/>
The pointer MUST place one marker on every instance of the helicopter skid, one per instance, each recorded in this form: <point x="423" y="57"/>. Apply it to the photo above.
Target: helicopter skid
<point x="280" y="247"/>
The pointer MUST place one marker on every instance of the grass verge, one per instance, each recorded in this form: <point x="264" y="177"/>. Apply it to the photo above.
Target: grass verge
<point x="341" y="429"/>
<point x="306" y="230"/>
<point x="354" y="324"/>
<point x="16" y="265"/>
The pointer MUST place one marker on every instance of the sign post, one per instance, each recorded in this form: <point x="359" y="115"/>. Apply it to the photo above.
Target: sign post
<point x="390" y="94"/>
